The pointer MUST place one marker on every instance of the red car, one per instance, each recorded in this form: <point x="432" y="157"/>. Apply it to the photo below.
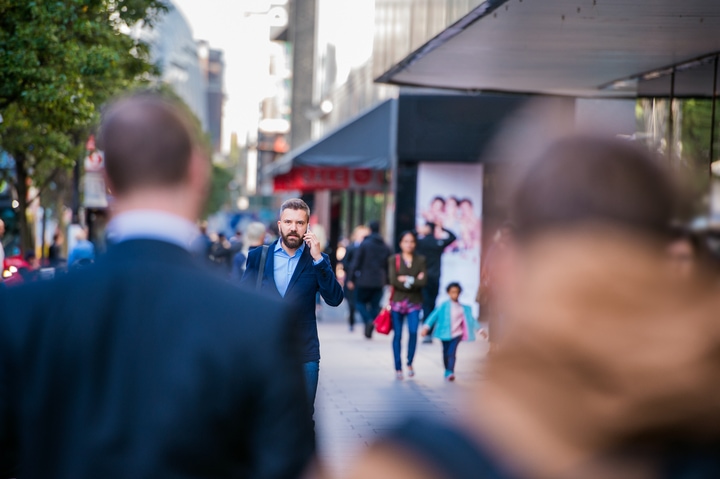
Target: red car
<point x="13" y="269"/>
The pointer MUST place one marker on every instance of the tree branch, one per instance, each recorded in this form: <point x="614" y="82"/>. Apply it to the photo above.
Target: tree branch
<point x="45" y="184"/>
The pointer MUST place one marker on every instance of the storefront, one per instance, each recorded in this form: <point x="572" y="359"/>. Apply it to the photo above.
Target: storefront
<point x="661" y="56"/>
<point x="406" y="151"/>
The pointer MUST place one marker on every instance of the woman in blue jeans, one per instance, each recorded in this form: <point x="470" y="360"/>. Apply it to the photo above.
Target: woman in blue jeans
<point x="407" y="277"/>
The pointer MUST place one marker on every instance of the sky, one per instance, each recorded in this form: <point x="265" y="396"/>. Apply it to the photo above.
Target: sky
<point x="243" y="37"/>
<point x="226" y="26"/>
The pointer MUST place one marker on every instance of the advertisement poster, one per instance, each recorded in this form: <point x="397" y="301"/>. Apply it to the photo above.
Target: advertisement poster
<point x="452" y="194"/>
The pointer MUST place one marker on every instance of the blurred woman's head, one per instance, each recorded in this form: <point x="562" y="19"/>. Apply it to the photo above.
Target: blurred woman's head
<point x="581" y="181"/>
<point x="408" y="242"/>
<point x="437" y="204"/>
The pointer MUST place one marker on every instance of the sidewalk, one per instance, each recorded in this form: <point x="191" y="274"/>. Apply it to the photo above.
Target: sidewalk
<point x="358" y="395"/>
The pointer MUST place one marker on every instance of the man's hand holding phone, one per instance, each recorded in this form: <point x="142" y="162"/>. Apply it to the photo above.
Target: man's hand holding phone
<point x="312" y="241"/>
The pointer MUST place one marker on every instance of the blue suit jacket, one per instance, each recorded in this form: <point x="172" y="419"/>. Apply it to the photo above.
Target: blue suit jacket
<point x="306" y="281"/>
<point x="145" y="365"/>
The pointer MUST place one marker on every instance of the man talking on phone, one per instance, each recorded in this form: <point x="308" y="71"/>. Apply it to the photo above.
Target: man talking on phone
<point x="295" y="268"/>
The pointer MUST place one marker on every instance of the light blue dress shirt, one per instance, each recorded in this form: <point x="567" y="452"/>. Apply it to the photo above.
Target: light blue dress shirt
<point x="285" y="265"/>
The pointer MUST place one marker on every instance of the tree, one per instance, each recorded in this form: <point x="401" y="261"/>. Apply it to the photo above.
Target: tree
<point x="695" y="135"/>
<point x="59" y="62"/>
<point x="219" y="195"/>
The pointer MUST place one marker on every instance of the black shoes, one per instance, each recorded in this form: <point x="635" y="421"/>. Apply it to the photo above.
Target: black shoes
<point x="369" y="327"/>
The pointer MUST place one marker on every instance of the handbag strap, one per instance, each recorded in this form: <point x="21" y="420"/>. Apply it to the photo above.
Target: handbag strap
<point x="397" y="270"/>
<point x="261" y="270"/>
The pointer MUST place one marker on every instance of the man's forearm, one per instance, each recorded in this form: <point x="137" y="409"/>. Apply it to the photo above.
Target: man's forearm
<point x="330" y="289"/>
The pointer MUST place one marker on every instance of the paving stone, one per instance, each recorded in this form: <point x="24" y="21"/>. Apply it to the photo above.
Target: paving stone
<point x="358" y="396"/>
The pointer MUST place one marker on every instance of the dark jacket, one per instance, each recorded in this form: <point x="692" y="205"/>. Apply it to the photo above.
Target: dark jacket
<point x="369" y="264"/>
<point x="432" y="248"/>
<point x="414" y="293"/>
<point x="307" y="280"/>
<point x="144" y="365"/>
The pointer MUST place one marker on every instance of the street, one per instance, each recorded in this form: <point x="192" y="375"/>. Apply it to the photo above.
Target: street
<point x="358" y="395"/>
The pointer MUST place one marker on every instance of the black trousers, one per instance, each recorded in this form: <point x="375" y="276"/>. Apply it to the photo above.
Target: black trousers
<point x="430" y="294"/>
<point x="367" y="302"/>
<point x="350" y="299"/>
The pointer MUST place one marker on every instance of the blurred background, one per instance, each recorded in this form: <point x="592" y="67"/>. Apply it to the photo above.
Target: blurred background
<point x="367" y="109"/>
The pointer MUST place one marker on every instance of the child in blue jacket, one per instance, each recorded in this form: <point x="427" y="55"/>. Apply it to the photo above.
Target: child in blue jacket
<point x="455" y="323"/>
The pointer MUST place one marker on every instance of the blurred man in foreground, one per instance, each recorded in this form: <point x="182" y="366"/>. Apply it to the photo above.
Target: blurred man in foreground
<point x="143" y="364"/>
<point x="609" y="362"/>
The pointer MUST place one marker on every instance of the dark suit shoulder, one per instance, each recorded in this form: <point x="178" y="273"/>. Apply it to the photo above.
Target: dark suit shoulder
<point x="255" y="253"/>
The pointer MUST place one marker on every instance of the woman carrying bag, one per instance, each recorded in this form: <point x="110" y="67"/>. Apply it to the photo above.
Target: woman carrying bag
<point x="407" y="281"/>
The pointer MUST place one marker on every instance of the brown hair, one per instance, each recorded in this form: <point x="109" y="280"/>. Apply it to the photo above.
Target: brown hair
<point x="147" y="141"/>
<point x="295" y="204"/>
<point x="583" y="179"/>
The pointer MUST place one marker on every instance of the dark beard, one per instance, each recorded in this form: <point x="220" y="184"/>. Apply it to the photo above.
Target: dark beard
<point x="292" y="242"/>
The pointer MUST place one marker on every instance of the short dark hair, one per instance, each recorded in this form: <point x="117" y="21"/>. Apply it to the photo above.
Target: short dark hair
<point x="374" y="226"/>
<point x="438" y="198"/>
<point x="147" y="141"/>
<point x="587" y="179"/>
<point x="454" y="284"/>
<point x="408" y="232"/>
<point x="295" y="204"/>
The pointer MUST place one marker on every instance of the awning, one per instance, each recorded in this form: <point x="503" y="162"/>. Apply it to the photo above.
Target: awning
<point x="365" y="142"/>
<point x="310" y="178"/>
<point x="564" y="47"/>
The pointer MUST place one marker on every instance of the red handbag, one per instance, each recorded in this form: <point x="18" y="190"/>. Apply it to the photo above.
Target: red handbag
<point x="383" y="321"/>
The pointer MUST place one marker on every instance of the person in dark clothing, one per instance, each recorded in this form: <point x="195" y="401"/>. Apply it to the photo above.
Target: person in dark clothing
<point x="294" y="269"/>
<point x="431" y="245"/>
<point x="55" y="251"/>
<point x="368" y="275"/>
<point x="596" y="377"/>
<point x="221" y="254"/>
<point x="144" y="364"/>
<point x="358" y="235"/>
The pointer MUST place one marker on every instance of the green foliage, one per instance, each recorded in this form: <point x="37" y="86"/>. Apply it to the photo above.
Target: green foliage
<point x="695" y="134"/>
<point x="59" y="62"/>
<point x="219" y="191"/>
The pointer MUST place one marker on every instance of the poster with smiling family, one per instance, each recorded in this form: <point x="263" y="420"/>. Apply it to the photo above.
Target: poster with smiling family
<point x="451" y="194"/>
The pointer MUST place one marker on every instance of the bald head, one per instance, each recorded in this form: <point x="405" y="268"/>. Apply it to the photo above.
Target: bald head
<point x="148" y="143"/>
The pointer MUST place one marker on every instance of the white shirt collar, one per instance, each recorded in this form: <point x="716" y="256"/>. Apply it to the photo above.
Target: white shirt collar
<point x="152" y="224"/>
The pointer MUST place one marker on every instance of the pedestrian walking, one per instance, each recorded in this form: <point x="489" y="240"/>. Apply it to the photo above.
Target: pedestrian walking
<point x="201" y="245"/>
<point x="55" y="254"/>
<point x="368" y="275"/>
<point x="142" y="364"/>
<point x="407" y="276"/>
<point x="356" y="238"/>
<point x="431" y="244"/>
<point x="254" y="236"/>
<point x="608" y="365"/>
<point x="221" y="255"/>
<point x="83" y="253"/>
<point x="294" y="269"/>
<point x="451" y="322"/>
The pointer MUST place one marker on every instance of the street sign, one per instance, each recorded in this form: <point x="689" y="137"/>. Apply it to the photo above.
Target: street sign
<point x="95" y="161"/>
<point x="95" y="195"/>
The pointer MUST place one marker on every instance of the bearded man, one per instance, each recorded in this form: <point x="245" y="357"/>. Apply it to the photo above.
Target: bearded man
<point x="295" y="268"/>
